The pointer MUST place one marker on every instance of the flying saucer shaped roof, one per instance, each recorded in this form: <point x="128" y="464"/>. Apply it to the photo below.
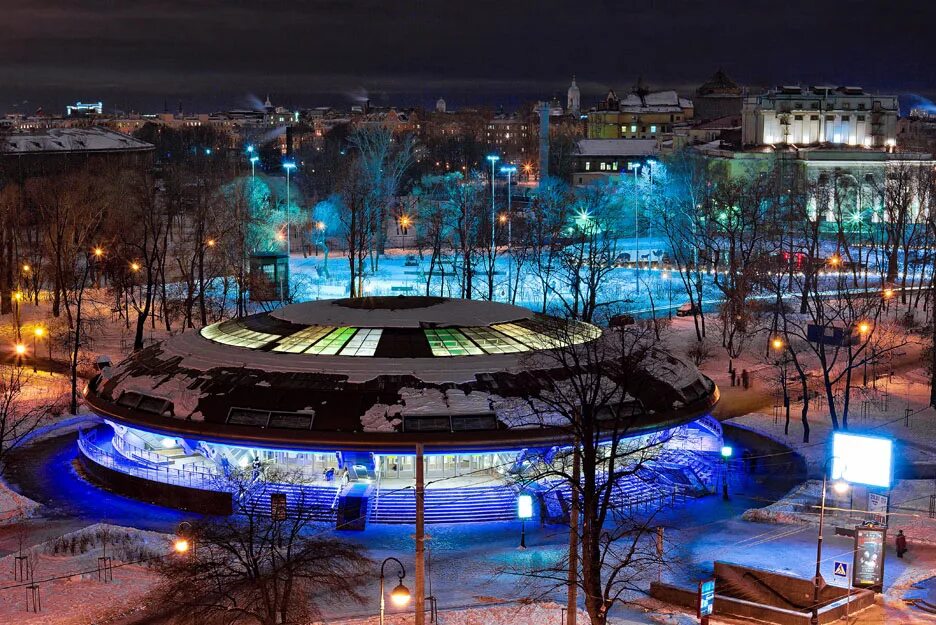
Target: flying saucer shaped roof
<point x="377" y="370"/>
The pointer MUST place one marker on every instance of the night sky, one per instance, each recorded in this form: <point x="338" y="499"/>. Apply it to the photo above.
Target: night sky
<point x="216" y="54"/>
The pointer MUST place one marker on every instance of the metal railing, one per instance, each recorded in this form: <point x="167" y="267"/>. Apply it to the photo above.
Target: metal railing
<point x="190" y="477"/>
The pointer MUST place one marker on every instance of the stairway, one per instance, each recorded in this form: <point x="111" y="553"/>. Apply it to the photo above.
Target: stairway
<point x="448" y="505"/>
<point x="315" y="502"/>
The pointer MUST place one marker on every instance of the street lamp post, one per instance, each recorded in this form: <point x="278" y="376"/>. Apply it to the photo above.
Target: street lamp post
<point x="636" y="237"/>
<point x="650" y="165"/>
<point x="400" y="595"/>
<point x="253" y="168"/>
<point x="726" y="452"/>
<point x="288" y="166"/>
<point x="841" y="486"/>
<point x="405" y="222"/>
<point x="17" y="297"/>
<point x="863" y="328"/>
<point x="780" y="346"/>
<point x="493" y="158"/>
<point x="38" y="331"/>
<point x="509" y="169"/>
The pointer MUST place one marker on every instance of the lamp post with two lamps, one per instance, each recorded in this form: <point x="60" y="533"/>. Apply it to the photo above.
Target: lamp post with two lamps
<point x="492" y="158"/>
<point x="400" y="595"/>
<point x="509" y="170"/>
<point x="841" y="487"/>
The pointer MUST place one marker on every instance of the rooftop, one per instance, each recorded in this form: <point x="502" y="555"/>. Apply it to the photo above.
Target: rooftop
<point x="70" y="140"/>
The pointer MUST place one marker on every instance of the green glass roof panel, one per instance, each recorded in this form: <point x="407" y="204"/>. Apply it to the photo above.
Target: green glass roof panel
<point x="302" y="340"/>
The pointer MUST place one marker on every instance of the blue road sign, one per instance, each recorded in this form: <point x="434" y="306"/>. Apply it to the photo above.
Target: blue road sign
<point x="841" y="569"/>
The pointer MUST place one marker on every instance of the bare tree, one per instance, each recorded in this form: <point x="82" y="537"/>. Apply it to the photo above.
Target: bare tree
<point x="590" y="394"/>
<point x="24" y="407"/>
<point x="256" y="567"/>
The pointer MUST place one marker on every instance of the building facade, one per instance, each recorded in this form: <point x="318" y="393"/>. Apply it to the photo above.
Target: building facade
<point x="823" y="114"/>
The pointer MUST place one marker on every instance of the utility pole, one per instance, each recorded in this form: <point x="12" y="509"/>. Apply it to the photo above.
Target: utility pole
<point x="572" y="601"/>
<point x="420" y="603"/>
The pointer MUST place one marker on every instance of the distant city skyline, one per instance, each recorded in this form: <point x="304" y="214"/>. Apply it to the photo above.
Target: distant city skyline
<point x="213" y="55"/>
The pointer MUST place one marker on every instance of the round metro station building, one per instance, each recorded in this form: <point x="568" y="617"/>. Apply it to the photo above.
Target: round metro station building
<point x="342" y="392"/>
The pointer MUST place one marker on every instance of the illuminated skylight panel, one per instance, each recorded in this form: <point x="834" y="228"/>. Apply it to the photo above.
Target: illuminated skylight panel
<point x="302" y="340"/>
<point x="239" y="336"/>
<point x="451" y="342"/>
<point x="494" y="342"/>
<point x="332" y="343"/>
<point x="363" y="343"/>
<point x="525" y="335"/>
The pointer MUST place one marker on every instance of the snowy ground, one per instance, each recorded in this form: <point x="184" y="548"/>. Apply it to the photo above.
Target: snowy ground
<point x="466" y="562"/>
<point x="71" y="591"/>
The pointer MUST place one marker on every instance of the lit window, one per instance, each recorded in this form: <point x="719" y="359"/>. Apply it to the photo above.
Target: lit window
<point x="301" y="340"/>
<point x="364" y="343"/>
<point x="451" y="342"/>
<point x="633" y="127"/>
<point x="493" y="342"/>
<point x="331" y="344"/>
<point x="653" y="129"/>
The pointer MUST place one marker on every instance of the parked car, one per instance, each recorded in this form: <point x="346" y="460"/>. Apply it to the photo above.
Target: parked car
<point x="619" y="321"/>
<point x="687" y="310"/>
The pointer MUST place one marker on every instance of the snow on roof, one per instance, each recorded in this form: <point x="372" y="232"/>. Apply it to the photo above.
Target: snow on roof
<point x="67" y="140"/>
<point x="617" y="147"/>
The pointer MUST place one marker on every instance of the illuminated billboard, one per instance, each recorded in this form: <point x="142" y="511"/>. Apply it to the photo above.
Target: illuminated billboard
<point x="862" y="459"/>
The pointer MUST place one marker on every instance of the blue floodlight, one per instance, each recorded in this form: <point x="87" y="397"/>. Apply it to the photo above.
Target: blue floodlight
<point x="493" y="158"/>
<point x="254" y="159"/>
<point x="250" y="149"/>
<point x="508" y="169"/>
<point x="208" y="151"/>
<point x="289" y="165"/>
<point x="525" y="507"/>
<point x="726" y="451"/>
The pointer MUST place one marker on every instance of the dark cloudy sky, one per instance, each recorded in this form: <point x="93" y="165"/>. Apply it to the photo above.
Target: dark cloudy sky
<point x="212" y="54"/>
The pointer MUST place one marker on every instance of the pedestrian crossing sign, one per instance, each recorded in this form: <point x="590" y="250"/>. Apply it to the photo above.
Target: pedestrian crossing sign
<point x="841" y="569"/>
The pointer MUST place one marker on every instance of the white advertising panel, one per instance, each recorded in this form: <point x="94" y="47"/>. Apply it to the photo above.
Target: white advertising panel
<point x="862" y="459"/>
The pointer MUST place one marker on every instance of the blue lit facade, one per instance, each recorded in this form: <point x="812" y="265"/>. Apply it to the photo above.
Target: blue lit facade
<point x="338" y="394"/>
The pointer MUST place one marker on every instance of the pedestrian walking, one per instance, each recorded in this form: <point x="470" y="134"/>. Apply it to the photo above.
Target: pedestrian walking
<point x="732" y="377"/>
<point x="745" y="379"/>
<point x="901" y="541"/>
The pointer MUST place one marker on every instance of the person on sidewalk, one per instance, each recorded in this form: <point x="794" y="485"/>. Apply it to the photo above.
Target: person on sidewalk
<point x="901" y="541"/>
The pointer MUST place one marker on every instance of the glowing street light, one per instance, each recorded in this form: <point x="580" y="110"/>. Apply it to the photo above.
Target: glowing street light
<point x="253" y="167"/>
<point x="288" y="166"/>
<point x="492" y="158"/>
<point x="134" y="266"/>
<point x="726" y="452"/>
<point x="20" y="349"/>
<point x="404" y="221"/>
<point x="181" y="545"/>
<point x="777" y="343"/>
<point x="26" y="268"/>
<point x="98" y="252"/>
<point x="38" y="333"/>
<point x="509" y="170"/>
<point x="211" y="242"/>
<point x="400" y="595"/>
<point x="864" y="327"/>
<point x="841" y="487"/>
